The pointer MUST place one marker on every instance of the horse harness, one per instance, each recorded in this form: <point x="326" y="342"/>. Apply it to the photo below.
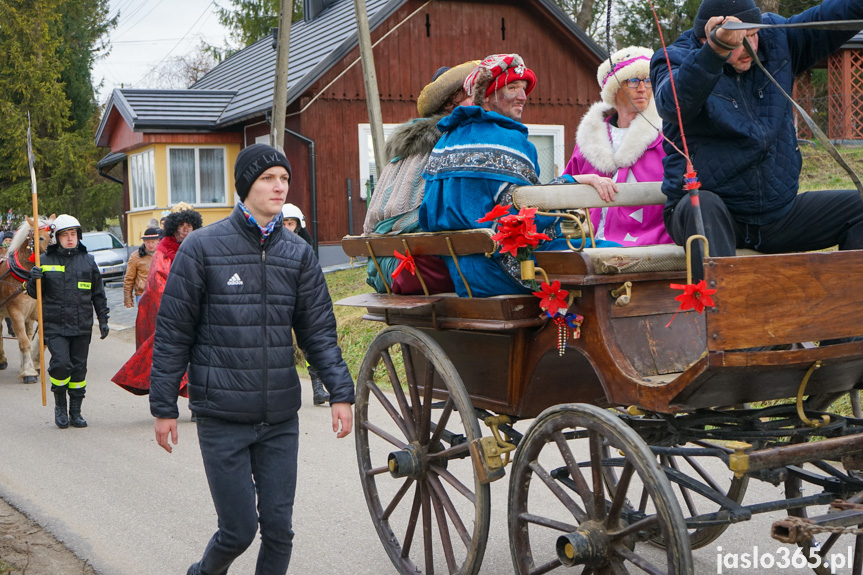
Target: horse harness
<point x="19" y="274"/>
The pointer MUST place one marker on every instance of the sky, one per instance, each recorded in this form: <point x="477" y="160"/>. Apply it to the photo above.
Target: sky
<point x="149" y="32"/>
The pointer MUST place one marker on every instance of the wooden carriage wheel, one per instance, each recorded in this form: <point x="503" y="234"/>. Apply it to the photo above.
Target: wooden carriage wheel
<point x="426" y="501"/>
<point x="562" y="514"/>
<point x="681" y="471"/>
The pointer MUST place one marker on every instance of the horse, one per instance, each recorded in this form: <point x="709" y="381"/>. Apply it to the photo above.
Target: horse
<point x="14" y="303"/>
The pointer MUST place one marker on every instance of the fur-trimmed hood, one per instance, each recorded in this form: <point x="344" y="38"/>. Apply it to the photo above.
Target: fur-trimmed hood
<point x="595" y="145"/>
<point x="415" y="138"/>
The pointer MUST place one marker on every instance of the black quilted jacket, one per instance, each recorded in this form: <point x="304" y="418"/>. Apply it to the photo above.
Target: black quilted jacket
<point x="739" y="127"/>
<point x="71" y="289"/>
<point x="227" y="312"/>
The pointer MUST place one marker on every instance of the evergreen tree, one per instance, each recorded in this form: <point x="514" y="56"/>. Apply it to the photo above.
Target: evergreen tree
<point x="251" y="20"/>
<point x="48" y="48"/>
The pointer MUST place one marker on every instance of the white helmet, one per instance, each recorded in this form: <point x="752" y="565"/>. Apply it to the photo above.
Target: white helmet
<point x="292" y="211"/>
<point x="65" y="222"/>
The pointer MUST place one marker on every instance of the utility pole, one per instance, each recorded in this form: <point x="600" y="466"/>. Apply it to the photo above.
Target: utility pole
<point x="280" y="88"/>
<point x="370" y="80"/>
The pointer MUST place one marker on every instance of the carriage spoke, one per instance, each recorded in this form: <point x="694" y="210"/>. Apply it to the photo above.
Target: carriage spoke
<point x="558" y="492"/>
<point x="646" y="524"/>
<point x="383" y="434"/>
<point x="620" y="494"/>
<point x="440" y="492"/>
<point x="638" y="561"/>
<point x="708" y="479"/>
<point x="407" y="415"/>
<point x="441" y="424"/>
<point x="546" y="522"/>
<point x="687" y="496"/>
<point x="444" y="531"/>
<point x="596" y="458"/>
<point x="452" y="480"/>
<point x="385" y="403"/>
<point x="411" y="376"/>
<point x="397" y="499"/>
<point x="450" y="452"/>
<point x="581" y="486"/>
<point x="425" y="420"/>
<point x="427" y="529"/>
<point x="377" y="471"/>
<point x="551" y="565"/>
<point x="642" y="504"/>
<point x="412" y="523"/>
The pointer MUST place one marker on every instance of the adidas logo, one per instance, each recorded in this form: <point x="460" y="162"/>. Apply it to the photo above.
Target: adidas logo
<point x="235" y="280"/>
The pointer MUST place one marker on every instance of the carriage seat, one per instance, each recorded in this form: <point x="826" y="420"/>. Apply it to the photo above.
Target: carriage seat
<point x="639" y="259"/>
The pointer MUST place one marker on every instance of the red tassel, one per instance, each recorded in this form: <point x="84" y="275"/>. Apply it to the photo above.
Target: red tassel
<point x="32" y="258"/>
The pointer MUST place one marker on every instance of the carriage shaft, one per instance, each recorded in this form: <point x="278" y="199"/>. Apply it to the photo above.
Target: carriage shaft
<point x="832" y="448"/>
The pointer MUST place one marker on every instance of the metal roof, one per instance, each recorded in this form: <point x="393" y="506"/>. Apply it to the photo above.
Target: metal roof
<point x="158" y="109"/>
<point x="241" y="86"/>
<point x="315" y="47"/>
<point x="855" y="43"/>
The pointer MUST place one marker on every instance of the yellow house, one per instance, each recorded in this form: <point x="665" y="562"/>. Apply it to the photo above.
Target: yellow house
<point x="170" y="153"/>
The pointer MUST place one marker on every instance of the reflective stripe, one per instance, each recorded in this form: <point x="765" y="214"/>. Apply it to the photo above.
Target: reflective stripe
<point x="60" y="382"/>
<point x="61" y="269"/>
<point x="84" y="285"/>
<point x="77" y="384"/>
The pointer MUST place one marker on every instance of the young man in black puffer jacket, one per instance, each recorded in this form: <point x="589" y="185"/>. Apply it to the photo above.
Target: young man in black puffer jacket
<point x="236" y="289"/>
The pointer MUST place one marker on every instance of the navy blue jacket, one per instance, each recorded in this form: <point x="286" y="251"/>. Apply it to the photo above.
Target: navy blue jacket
<point x="739" y="127"/>
<point x="227" y="312"/>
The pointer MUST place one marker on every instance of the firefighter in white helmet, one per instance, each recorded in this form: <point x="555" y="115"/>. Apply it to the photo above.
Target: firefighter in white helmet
<point x="71" y="290"/>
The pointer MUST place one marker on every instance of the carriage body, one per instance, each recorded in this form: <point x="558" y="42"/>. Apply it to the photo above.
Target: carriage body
<point x="502" y="358"/>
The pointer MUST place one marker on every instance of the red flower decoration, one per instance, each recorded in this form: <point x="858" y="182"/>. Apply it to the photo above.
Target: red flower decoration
<point x="406" y="262"/>
<point x="495" y="213"/>
<point x="694" y="296"/>
<point x="518" y="231"/>
<point x="553" y="298"/>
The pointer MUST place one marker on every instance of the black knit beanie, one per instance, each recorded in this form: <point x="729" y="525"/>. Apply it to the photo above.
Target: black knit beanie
<point x="745" y="10"/>
<point x="253" y="161"/>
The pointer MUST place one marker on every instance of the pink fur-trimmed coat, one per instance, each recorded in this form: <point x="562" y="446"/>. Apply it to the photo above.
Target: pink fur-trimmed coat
<point x="641" y="152"/>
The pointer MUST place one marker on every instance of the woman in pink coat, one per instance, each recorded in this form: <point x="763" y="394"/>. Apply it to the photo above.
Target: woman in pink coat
<point x="619" y="141"/>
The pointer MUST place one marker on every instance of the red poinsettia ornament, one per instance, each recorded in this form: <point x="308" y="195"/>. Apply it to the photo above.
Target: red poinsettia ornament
<point x="497" y="212"/>
<point x="553" y="299"/>
<point x="517" y="231"/>
<point x="694" y="296"/>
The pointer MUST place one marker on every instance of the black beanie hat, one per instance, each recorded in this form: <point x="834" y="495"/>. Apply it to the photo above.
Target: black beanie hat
<point x="745" y="10"/>
<point x="253" y="161"/>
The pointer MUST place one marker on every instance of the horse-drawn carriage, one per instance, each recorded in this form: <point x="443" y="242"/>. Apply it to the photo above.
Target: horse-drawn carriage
<point x="644" y="434"/>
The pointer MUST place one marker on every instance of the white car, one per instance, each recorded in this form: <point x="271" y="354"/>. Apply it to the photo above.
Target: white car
<point x="109" y="252"/>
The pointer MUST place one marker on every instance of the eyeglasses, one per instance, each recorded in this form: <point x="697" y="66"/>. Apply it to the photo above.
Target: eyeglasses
<point x="634" y="82"/>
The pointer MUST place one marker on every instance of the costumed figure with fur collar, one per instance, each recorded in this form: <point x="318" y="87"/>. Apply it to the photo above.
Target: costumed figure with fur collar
<point x="134" y="376"/>
<point x="399" y="192"/>
<point x="619" y="141"/>
<point x="483" y="155"/>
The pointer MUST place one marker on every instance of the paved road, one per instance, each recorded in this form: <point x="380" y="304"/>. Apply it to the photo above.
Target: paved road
<point x="113" y="497"/>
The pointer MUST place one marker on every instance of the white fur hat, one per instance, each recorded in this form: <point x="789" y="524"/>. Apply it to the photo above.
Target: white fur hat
<point x="630" y="62"/>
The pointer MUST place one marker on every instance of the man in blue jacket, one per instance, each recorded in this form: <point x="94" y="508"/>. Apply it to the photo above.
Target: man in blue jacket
<point x="741" y="135"/>
<point x="236" y="290"/>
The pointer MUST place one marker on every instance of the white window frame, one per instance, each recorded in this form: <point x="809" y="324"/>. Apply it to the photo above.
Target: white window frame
<point x="558" y="133"/>
<point x="147" y="158"/>
<point x="364" y="131"/>
<point x="197" y="149"/>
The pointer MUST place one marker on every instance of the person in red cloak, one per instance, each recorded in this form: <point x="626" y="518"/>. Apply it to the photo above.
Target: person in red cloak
<point x="134" y="376"/>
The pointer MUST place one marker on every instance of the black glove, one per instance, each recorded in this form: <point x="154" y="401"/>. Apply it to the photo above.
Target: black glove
<point x="36" y="273"/>
<point x="103" y="329"/>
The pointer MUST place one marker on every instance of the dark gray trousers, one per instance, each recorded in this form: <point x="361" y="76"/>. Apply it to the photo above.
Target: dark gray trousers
<point x="817" y="220"/>
<point x="252" y="473"/>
